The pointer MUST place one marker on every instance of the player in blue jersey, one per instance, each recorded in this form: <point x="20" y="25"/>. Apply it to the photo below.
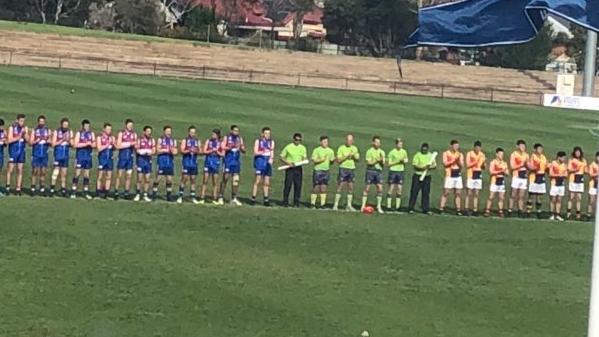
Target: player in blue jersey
<point x="62" y="140"/>
<point x="39" y="139"/>
<point x="105" y="143"/>
<point x="17" y="141"/>
<point x="191" y="147"/>
<point x="125" y="143"/>
<point x="84" y="144"/>
<point x="166" y="148"/>
<point x="2" y="145"/>
<point x="213" y="155"/>
<point x="264" y="149"/>
<point x="145" y="148"/>
<point x="233" y="147"/>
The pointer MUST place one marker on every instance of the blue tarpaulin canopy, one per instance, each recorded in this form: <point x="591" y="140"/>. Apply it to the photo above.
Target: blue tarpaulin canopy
<point x="478" y="23"/>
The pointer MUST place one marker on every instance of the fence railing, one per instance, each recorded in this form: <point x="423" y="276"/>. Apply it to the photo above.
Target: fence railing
<point x="97" y="64"/>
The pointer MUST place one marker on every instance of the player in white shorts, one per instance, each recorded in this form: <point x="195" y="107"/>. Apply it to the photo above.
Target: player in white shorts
<point x="558" y="172"/>
<point x="593" y="172"/>
<point x="576" y="171"/>
<point x="537" y="186"/>
<point x="497" y="170"/>
<point x="518" y="165"/>
<point x="453" y="161"/>
<point x="475" y="164"/>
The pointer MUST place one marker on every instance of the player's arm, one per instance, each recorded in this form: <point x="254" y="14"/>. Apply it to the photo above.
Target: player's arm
<point x="119" y="141"/>
<point x="99" y="144"/>
<point x="92" y="143"/>
<point x="241" y="145"/>
<point x="332" y="157"/>
<point x="11" y="138"/>
<point x="513" y="163"/>
<point x="471" y="161"/>
<point x="284" y="157"/>
<point x="32" y="140"/>
<point x="183" y="147"/>
<point x="316" y="160"/>
<point x="154" y="147"/>
<point x="447" y="162"/>
<point x="54" y="138"/>
<point x="75" y="144"/>
<point x="257" y="151"/>
<point x="174" y="148"/>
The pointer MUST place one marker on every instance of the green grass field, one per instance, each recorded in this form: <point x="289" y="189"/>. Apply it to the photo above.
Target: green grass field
<point x="76" y="268"/>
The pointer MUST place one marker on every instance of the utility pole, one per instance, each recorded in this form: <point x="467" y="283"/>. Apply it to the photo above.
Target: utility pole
<point x="590" y="62"/>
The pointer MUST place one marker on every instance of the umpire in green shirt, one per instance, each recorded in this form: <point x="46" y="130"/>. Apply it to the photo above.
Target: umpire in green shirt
<point x="292" y="154"/>
<point x="423" y="162"/>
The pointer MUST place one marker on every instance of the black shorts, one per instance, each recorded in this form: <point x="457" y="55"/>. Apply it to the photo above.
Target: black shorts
<point x="320" y="178"/>
<point x="346" y="175"/>
<point x="374" y="177"/>
<point x="395" y="178"/>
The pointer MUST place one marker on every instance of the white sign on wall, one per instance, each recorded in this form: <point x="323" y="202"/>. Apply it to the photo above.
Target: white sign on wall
<point x="571" y="102"/>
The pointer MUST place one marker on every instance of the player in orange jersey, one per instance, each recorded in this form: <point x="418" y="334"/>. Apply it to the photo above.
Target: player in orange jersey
<point x="537" y="187"/>
<point x="576" y="170"/>
<point x="498" y="170"/>
<point x="518" y="161"/>
<point x="558" y="172"/>
<point x="453" y="161"/>
<point x="475" y="164"/>
<point x="593" y="172"/>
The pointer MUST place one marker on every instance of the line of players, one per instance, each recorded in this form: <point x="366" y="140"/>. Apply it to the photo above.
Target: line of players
<point x="528" y="171"/>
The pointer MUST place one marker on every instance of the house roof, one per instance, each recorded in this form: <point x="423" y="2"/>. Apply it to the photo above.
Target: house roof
<point x="254" y="13"/>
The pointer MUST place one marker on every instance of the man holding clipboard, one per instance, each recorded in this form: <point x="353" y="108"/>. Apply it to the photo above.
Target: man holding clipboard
<point x="294" y="155"/>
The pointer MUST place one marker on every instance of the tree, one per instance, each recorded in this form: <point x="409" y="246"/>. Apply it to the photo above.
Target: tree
<point x="178" y="9"/>
<point x="64" y="8"/>
<point x="102" y="16"/>
<point x="41" y="6"/>
<point x="371" y="27"/>
<point x="139" y="16"/>
<point x="577" y="46"/>
<point x="276" y="10"/>
<point x="299" y="8"/>
<point x="532" y="55"/>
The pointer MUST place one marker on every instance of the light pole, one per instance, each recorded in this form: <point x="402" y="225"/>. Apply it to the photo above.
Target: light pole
<point x="590" y="61"/>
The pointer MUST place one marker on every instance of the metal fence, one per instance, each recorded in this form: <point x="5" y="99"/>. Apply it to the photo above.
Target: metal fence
<point x="49" y="60"/>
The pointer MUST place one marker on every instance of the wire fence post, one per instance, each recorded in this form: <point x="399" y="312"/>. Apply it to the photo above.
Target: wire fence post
<point x="59" y="63"/>
<point x="155" y="66"/>
<point x="251" y="75"/>
<point x="203" y="71"/>
<point x="395" y="87"/>
<point x="107" y="66"/>
<point x="208" y="35"/>
<point x="10" y="59"/>
<point x="299" y="79"/>
<point x="442" y="91"/>
<point x="492" y="94"/>
<point x="346" y="83"/>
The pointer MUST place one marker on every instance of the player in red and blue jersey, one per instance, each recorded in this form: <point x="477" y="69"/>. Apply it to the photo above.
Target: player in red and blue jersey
<point x="17" y="142"/>
<point x="84" y="143"/>
<point x="39" y="139"/>
<point x="2" y="145"/>
<point x="62" y="140"/>
<point x="125" y="143"/>
<point x="213" y="152"/>
<point x="191" y="147"/>
<point x="145" y="148"/>
<point x="105" y="144"/>
<point x="264" y="149"/>
<point x="233" y="147"/>
<point x="166" y="148"/>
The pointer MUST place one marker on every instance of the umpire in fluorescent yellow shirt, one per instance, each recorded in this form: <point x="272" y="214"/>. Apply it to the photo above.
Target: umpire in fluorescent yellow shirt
<point x="396" y="160"/>
<point x="292" y="155"/>
<point x="322" y="158"/>
<point x="423" y="163"/>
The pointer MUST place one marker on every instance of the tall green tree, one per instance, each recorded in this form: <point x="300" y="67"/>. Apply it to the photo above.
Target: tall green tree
<point x="139" y="16"/>
<point x="372" y="27"/>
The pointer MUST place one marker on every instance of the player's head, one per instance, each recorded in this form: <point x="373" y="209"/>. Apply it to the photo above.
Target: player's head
<point x="521" y="145"/>
<point x="215" y="134"/>
<point x="129" y="124"/>
<point x="499" y="153"/>
<point x="64" y="123"/>
<point x="21" y="119"/>
<point x="85" y="125"/>
<point x="192" y="131"/>
<point x="266" y="131"/>
<point x="577" y="152"/>
<point x="478" y="145"/>
<point x="107" y="128"/>
<point x="454" y="144"/>
<point x="349" y="139"/>
<point x="147" y="131"/>
<point x="376" y="142"/>
<point x="424" y="148"/>
<point x="538" y="147"/>
<point x="167" y="130"/>
<point x="234" y="130"/>
<point x="399" y="143"/>
<point x="1" y="123"/>
<point x="561" y="156"/>
<point x="324" y="141"/>
<point x="41" y="121"/>
<point x="297" y="138"/>
<point x="597" y="156"/>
